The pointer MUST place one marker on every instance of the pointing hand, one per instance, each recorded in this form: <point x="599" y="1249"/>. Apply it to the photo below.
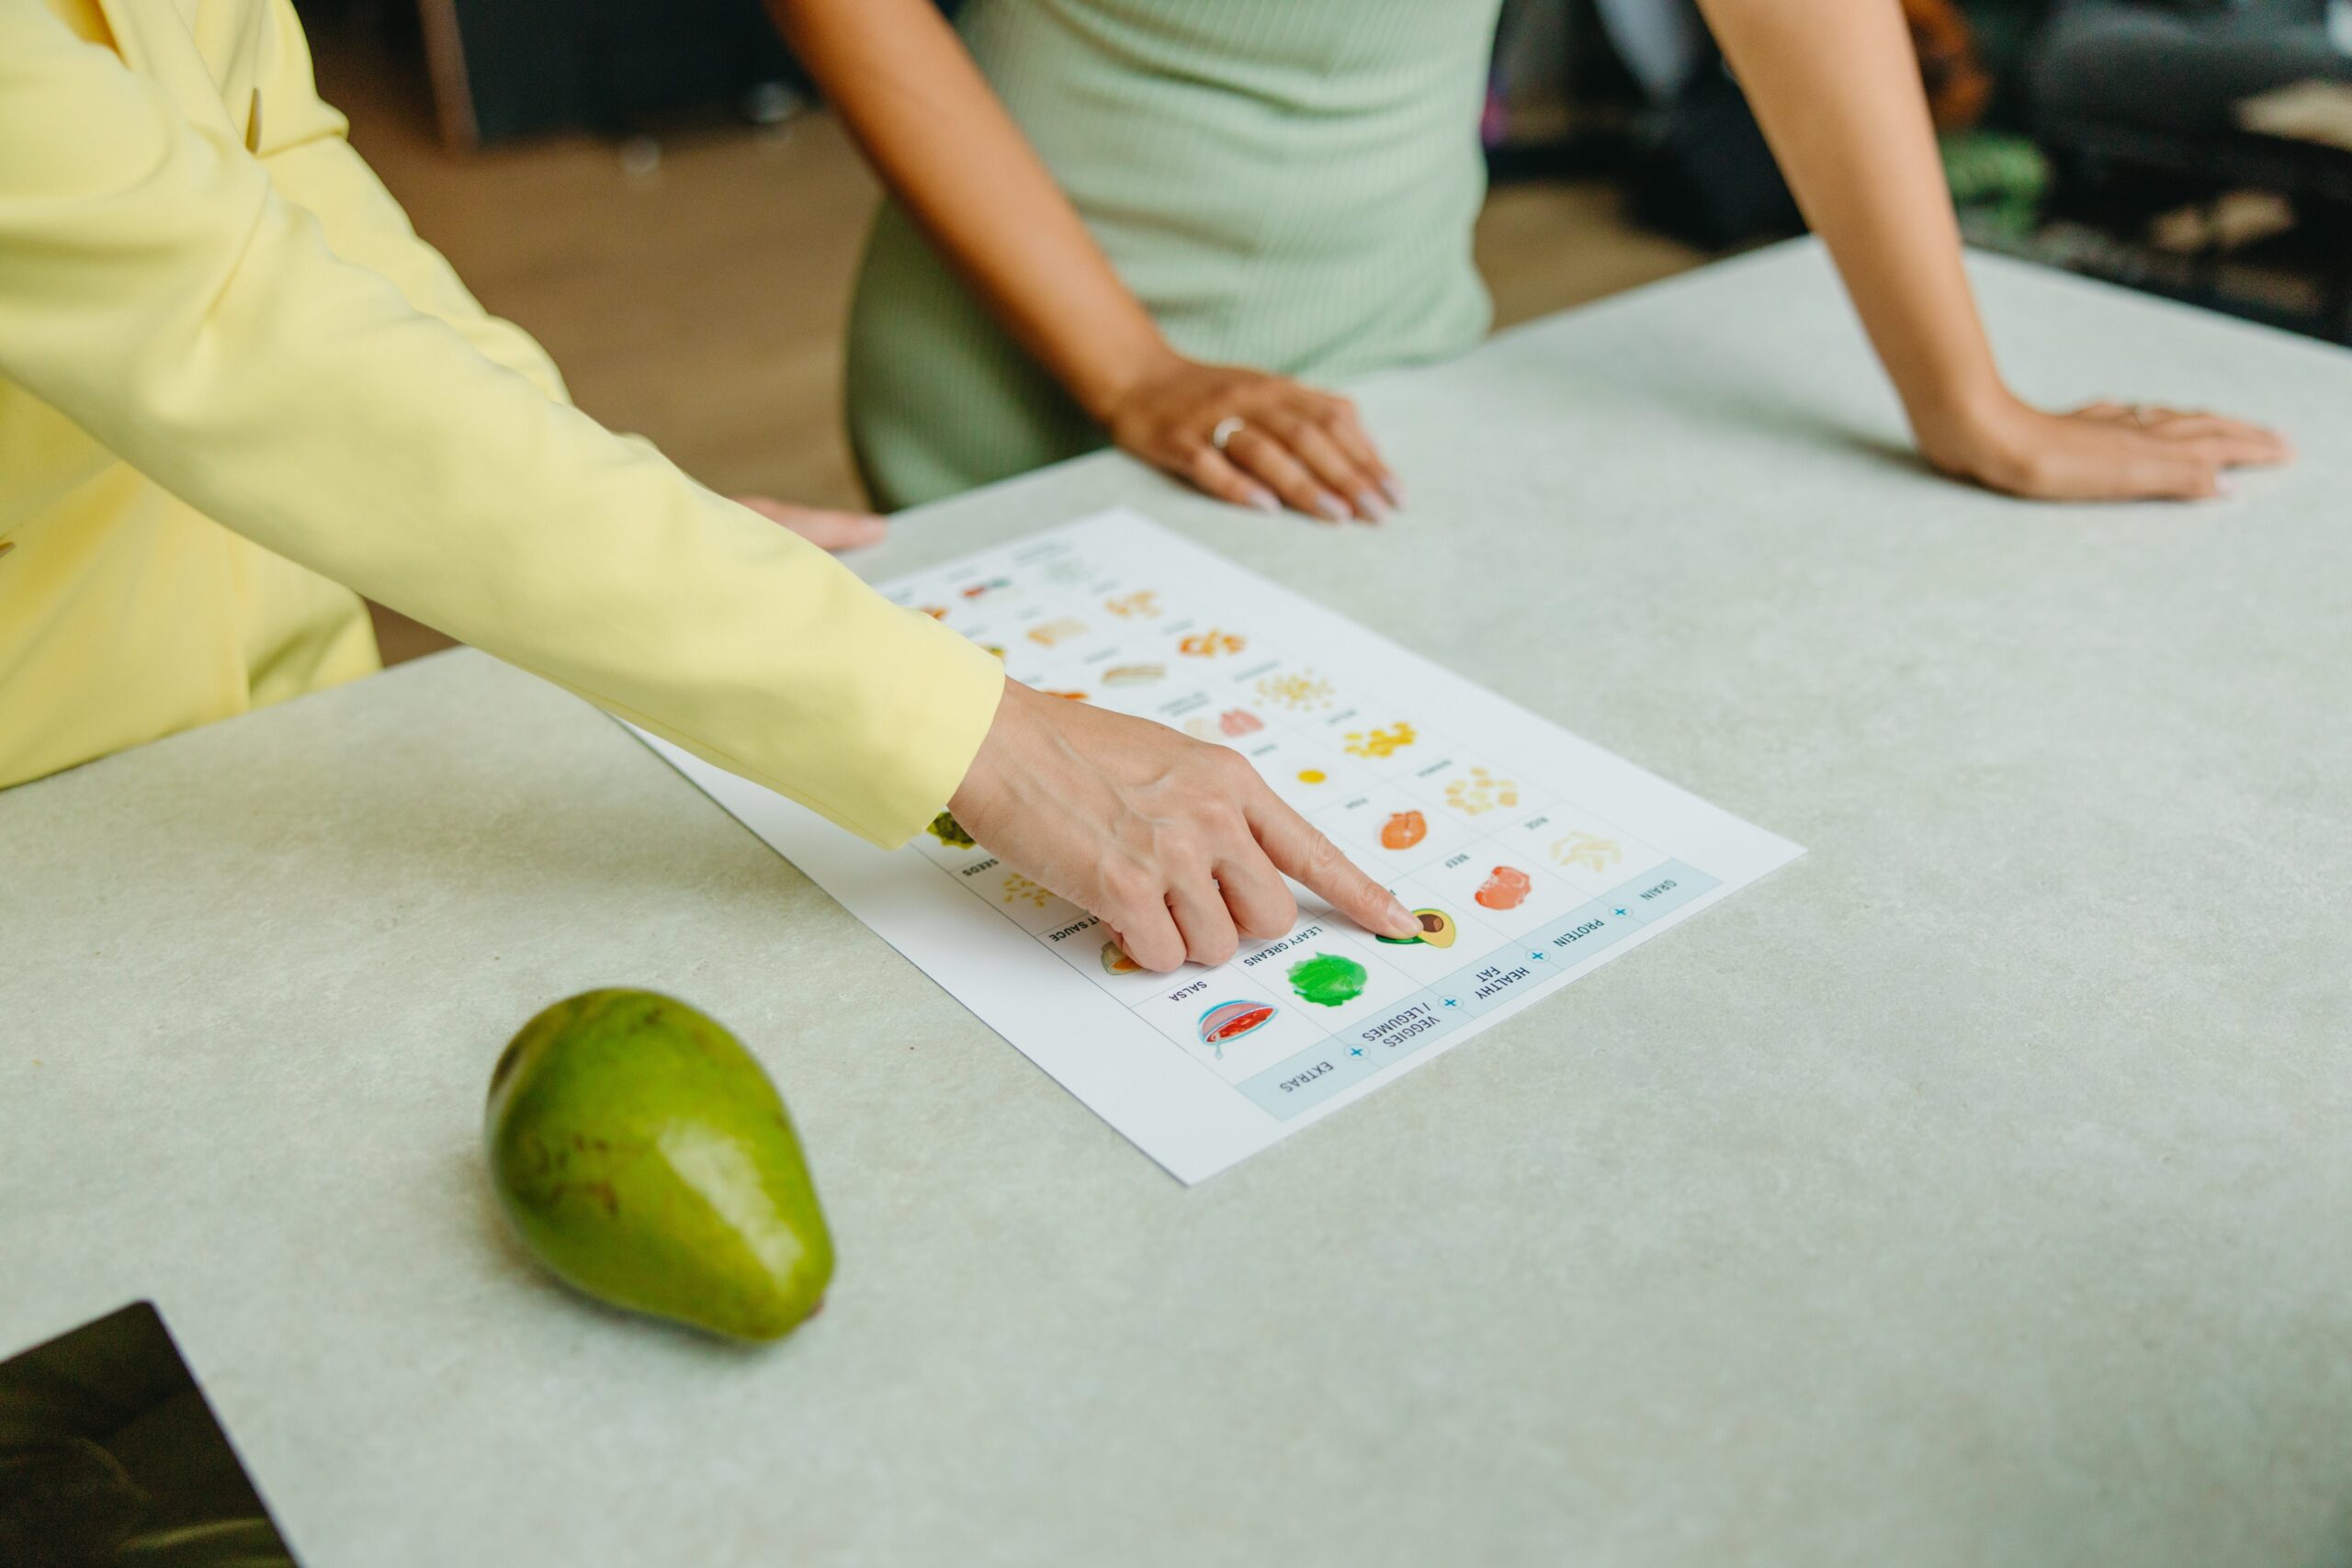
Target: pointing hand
<point x="1178" y="845"/>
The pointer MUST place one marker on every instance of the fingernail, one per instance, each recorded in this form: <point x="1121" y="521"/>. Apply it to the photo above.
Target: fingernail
<point x="1393" y="488"/>
<point x="1400" y="919"/>
<point x="1371" y="508"/>
<point x="1331" y="506"/>
<point x="1263" y="499"/>
<point x="2224" y="485"/>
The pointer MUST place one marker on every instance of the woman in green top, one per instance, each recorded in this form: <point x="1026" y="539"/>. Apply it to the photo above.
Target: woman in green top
<point x="1100" y="203"/>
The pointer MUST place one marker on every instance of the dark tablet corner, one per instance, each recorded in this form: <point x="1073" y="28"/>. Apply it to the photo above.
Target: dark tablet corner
<point x="109" y="1457"/>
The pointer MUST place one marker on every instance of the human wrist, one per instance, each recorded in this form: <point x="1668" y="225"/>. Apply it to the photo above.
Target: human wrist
<point x="1102" y="388"/>
<point x="1967" y="427"/>
<point x="988" y="758"/>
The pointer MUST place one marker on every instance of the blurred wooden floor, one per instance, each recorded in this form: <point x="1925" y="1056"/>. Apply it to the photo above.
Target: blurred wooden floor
<point x="700" y="304"/>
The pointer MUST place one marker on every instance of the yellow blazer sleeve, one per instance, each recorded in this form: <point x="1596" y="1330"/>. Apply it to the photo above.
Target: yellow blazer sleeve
<point x="301" y="140"/>
<point x="155" y="289"/>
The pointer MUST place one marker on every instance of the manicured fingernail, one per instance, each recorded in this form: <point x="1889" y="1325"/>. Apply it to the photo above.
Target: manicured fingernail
<point x="1393" y="488"/>
<point x="1371" y="508"/>
<point x="1263" y="499"/>
<point x="2224" y="485"/>
<point x="1331" y="506"/>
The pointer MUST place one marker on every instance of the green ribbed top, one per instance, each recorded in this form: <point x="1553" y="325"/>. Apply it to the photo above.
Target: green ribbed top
<point x="1288" y="184"/>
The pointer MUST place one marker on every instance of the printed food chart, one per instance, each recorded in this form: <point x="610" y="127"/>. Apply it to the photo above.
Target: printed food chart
<point x="1531" y="856"/>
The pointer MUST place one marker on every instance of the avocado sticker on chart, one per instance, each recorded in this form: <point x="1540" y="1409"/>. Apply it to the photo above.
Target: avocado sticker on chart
<point x="1328" y="980"/>
<point x="1437" y="930"/>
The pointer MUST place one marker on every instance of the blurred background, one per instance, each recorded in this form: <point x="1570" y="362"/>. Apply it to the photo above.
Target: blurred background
<point x="652" y="188"/>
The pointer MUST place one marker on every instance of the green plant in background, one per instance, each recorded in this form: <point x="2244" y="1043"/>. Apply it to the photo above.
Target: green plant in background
<point x="1997" y="180"/>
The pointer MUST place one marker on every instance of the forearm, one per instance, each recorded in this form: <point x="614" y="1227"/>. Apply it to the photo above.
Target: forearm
<point x="1835" y="87"/>
<point x="156" y="290"/>
<point x="910" y="94"/>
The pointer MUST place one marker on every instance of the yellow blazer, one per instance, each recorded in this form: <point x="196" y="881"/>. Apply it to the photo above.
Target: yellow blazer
<point x="235" y="387"/>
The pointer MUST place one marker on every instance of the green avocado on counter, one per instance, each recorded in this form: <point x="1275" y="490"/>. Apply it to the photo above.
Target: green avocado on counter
<point x="645" y="1156"/>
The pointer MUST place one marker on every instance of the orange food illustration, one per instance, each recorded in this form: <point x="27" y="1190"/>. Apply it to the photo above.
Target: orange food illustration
<point x="1404" y="831"/>
<point x="1052" y="632"/>
<point x="1143" y="602"/>
<point x="1505" y="889"/>
<point x="1212" y="643"/>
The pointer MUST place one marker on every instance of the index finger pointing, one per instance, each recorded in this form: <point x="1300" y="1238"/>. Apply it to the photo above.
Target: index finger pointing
<point x="1299" y="852"/>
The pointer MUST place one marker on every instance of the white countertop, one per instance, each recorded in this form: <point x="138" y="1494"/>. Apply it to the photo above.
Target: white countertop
<point x="1974" y="1191"/>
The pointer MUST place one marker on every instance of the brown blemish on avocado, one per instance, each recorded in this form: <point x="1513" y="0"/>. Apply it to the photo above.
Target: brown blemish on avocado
<point x="599" y="1192"/>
